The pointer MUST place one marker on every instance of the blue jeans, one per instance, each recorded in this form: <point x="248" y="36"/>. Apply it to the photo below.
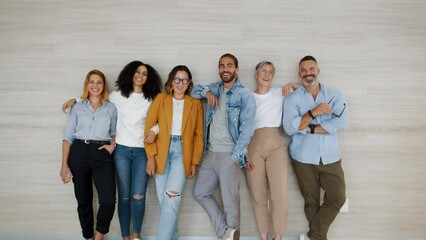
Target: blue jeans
<point x="132" y="181"/>
<point x="170" y="186"/>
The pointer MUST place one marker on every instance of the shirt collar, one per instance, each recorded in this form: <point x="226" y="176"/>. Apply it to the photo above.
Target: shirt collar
<point x="236" y="85"/>
<point x="87" y="100"/>
<point x="322" y="89"/>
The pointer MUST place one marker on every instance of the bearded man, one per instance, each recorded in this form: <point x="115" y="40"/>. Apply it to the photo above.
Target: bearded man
<point x="312" y="116"/>
<point x="229" y="126"/>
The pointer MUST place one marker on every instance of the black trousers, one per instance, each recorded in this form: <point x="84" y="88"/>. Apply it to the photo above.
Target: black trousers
<point x="89" y="165"/>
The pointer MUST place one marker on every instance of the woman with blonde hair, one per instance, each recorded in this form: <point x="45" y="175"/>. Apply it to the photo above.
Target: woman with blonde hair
<point x="138" y="83"/>
<point x="268" y="157"/>
<point x="88" y="142"/>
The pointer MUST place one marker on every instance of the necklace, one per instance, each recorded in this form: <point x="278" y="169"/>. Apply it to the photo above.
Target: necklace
<point x="178" y="102"/>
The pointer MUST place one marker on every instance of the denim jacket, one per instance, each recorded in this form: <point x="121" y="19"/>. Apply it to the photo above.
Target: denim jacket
<point x="240" y="115"/>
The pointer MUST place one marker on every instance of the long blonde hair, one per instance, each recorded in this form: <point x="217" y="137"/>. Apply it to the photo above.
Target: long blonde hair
<point x="86" y="93"/>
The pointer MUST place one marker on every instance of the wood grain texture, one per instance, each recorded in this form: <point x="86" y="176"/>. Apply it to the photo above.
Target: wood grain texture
<point x="374" y="51"/>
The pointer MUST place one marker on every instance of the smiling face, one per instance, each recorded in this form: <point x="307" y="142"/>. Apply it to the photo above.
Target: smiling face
<point x="265" y="75"/>
<point x="140" y="77"/>
<point x="178" y="85"/>
<point x="308" y="72"/>
<point x="227" y="70"/>
<point x="95" y="85"/>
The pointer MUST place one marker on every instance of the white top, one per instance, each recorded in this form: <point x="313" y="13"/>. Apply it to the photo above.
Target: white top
<point x="177" y="117"/>
<point x="269" y="108"/>
<point x="132" y="112"/>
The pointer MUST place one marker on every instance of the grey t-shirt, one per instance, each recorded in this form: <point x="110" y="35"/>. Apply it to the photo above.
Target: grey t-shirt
<point x="220" y="140"/>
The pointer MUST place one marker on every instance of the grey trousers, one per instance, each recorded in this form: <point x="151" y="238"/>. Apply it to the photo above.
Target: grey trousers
<point x="216" y="169"/>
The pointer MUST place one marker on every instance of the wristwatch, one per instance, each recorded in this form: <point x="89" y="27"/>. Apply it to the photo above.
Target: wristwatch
<point x="312" y="127"/>
<point x="310" y="114"/>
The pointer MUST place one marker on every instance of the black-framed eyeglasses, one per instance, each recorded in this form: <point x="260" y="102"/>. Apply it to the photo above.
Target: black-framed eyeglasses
<point x="337" y="115"/>
<point x="182" y="80"/>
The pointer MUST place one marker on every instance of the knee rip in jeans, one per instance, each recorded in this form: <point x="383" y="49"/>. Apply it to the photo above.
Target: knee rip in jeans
<point x="172" y="194"/>
<point x="138" y="196"/>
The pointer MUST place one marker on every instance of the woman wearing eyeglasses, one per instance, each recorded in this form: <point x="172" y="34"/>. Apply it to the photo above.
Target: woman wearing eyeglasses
<point x="267" y="155"/>
<point x="177" y="150"/>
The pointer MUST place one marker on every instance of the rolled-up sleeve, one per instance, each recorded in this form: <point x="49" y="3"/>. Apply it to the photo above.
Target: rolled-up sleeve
<point x="291" y="117"/>
<point x="70" y="127"/>
<point x="113" y="127"/>
<point x="339" y="120"/>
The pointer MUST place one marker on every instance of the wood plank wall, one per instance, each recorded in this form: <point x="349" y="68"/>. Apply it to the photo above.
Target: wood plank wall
<point x="372" y="50"/>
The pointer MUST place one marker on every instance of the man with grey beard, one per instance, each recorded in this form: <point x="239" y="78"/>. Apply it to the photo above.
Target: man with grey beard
<point x="312" y="116"/>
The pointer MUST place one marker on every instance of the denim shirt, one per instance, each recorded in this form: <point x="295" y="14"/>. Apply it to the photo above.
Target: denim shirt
<point x="313" y="148"/>
<point x="240" y="115"/>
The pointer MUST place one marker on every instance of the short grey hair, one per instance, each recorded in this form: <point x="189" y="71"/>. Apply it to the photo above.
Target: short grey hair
<point x="262" y="63"/>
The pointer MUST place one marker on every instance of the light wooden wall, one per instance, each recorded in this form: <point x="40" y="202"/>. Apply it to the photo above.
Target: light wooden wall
<point x="372" y="50"/>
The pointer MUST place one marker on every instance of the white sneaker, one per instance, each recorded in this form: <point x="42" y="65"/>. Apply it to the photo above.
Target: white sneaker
<point x="231" y="234"/>
<point x="303" y="236"/>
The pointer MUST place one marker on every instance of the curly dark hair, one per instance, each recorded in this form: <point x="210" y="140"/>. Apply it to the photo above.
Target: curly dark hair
<point x="150" y="89"/>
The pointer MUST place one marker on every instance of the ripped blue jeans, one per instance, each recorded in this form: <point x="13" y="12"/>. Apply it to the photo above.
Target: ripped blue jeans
<point x="170" y="186"/>
<point x="132" y="181"/>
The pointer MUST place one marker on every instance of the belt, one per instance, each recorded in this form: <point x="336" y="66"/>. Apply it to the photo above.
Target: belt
<point x="98" y="142"/>
<point x="175" y="137"/>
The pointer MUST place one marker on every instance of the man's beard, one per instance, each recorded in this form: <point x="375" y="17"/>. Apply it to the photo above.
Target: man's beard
<point x="311" y="83"/>
<point x="231" y="77"/>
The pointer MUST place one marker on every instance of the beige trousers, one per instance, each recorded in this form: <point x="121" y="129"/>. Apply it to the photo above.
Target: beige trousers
<point x="270" y="158"/>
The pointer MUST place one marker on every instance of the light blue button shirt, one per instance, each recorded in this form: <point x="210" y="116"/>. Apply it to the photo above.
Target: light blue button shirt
<point x="87" y="124"/>
<point x="312" y="148"/>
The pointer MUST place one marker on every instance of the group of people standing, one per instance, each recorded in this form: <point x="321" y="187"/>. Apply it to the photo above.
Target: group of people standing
<point x="169" y="136"/>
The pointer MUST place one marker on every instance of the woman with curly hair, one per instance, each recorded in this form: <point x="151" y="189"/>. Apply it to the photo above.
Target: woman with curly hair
<point x="138" y="84"/>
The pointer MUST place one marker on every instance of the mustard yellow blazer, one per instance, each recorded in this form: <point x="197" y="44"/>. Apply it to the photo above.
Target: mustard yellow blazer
<point x="161" y="112"/>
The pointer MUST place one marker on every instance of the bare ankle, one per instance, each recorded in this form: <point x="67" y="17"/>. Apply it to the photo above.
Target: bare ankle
<point x="98" y="236"/>
<point x="136" y="236"/>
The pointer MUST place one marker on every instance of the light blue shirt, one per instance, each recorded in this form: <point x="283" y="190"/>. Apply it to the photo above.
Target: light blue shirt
<point x="313" y="148"/>
<point x="87" y="124"/>
<point x="240" y="115"/>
